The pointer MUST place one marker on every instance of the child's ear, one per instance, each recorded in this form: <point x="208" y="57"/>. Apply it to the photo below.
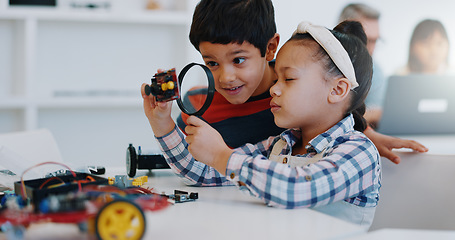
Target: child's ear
<point x="272" y="47"/>
<point x="340" y="90"/>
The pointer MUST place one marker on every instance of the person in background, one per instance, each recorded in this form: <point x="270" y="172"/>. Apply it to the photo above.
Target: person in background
<point x="369" y="18"/>
<point x="323" y="161"/>
<point x="428" y="50"/>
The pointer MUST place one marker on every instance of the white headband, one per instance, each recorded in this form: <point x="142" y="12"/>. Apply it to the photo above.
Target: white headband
<point x="333" y="47"/>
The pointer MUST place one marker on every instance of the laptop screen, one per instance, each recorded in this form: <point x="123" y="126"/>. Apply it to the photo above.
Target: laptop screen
<point x="419" y="104"/>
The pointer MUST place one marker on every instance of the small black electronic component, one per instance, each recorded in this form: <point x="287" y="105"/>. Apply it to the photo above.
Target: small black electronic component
<point x="164" y="86"/>
<point x="183" y="196"/>
<point x="52" y="3"/>
<point x="97" y="170"/>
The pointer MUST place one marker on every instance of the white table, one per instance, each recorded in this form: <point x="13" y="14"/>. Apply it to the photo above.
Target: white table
<point x="406" y="234"/>
<point x="409" y="202"/>
<point x="437" y="144"/>
<point x="219" y="213"/>
<point x="418" y="193"/>
<point x="227" y="213"/>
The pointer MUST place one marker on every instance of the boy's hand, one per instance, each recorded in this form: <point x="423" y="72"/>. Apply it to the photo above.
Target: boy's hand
<point x="158" y="113"/>
<point x="206" y="144"/>
<point x="385" y="144"/>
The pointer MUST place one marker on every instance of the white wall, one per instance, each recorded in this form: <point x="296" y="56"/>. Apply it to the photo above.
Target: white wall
<point x="398" y="19"/>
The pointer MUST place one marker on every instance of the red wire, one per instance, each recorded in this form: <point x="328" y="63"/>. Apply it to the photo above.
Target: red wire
<point x="86" y="180"/>
<point x="24" y="193"/>
<point x="50" y="179"/>
<point x="90" y="178"/>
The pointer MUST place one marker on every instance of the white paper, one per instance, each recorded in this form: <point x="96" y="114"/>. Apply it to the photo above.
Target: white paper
<point x="22" y="150"/>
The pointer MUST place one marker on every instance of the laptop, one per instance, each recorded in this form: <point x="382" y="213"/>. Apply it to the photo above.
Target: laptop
<point x="419" y="105"/>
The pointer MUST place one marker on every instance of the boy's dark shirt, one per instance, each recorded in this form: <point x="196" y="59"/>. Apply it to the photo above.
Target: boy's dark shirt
<point x="238" y="124"/>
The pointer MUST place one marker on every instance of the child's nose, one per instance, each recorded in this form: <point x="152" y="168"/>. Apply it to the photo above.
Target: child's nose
<point x="227" y="75"/>
<point x="275" y="91"/>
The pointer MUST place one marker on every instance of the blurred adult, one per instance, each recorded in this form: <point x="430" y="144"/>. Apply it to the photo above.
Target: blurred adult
<point x="428" y="50"/>
<point x="369" y="18"/>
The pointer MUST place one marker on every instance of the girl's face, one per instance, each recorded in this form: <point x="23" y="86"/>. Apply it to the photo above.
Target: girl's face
<point x="432" y="52"/>
<point x="301" y="92"/>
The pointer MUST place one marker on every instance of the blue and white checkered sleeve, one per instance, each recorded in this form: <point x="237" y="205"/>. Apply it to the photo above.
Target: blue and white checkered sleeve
<point x="175" y="151"/>
<point x="348" y="171"/>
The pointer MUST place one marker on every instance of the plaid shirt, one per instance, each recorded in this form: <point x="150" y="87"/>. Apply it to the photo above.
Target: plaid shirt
<point x="175" y="151"/>
<point x="349" y="170"/>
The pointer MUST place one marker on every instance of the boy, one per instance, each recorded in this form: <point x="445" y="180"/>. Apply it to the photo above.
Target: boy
<point x="237" y="40"/>
<point x="240" y="66"/>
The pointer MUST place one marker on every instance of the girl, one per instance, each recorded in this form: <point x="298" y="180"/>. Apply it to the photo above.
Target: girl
<point x="428" y="50"/>
<point x="322" y="161"/>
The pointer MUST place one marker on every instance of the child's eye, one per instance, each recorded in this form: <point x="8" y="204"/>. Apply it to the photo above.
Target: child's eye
<point x="289" y="79"/>
<point x="211" y="64"/>
<point x="239" y="60"/>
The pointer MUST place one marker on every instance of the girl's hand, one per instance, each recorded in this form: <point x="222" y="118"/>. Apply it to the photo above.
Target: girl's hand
<point x="158" y="113"/>
<point x="206" y="144"/>
<point x="385" y="144"/>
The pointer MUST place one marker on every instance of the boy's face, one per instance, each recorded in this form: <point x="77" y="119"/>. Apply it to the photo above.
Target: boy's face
<point x="238" y="69"/>
<point x="300" y="94"/>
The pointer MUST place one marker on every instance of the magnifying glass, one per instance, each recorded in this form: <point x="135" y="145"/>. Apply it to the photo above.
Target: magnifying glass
<point x="193" y="89"/>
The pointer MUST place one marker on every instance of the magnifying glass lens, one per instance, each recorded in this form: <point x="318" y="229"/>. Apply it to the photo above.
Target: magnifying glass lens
<point x="196" y="89"/>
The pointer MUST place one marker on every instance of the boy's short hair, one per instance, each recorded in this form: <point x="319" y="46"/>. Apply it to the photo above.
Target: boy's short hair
<point x="233" y="21"/>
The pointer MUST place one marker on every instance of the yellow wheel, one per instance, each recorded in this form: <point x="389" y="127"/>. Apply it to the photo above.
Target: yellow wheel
<point x="120" y="220"/>
<point x="170" y="85"/>
<point x="164" y="87"/>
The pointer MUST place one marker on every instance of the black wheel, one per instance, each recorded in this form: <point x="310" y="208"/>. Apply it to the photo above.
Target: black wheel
<point x="131" y="161"/>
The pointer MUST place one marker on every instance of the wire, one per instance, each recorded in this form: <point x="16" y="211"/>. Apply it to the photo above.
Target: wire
<point x="90" y="178"/>
<point x="24" y="193"/>
<point x="137" y="190"/>
<point x="50" y="179"/>
<point x="86" y="180"/>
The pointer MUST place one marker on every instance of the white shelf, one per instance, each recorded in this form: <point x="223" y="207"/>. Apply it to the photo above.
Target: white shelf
<point x="76" y="72"/>
<point x="94" y="102"/>
<point x="71" y="102"/>
<point x="147" y="16"/>
<point x="13" y="103"/>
